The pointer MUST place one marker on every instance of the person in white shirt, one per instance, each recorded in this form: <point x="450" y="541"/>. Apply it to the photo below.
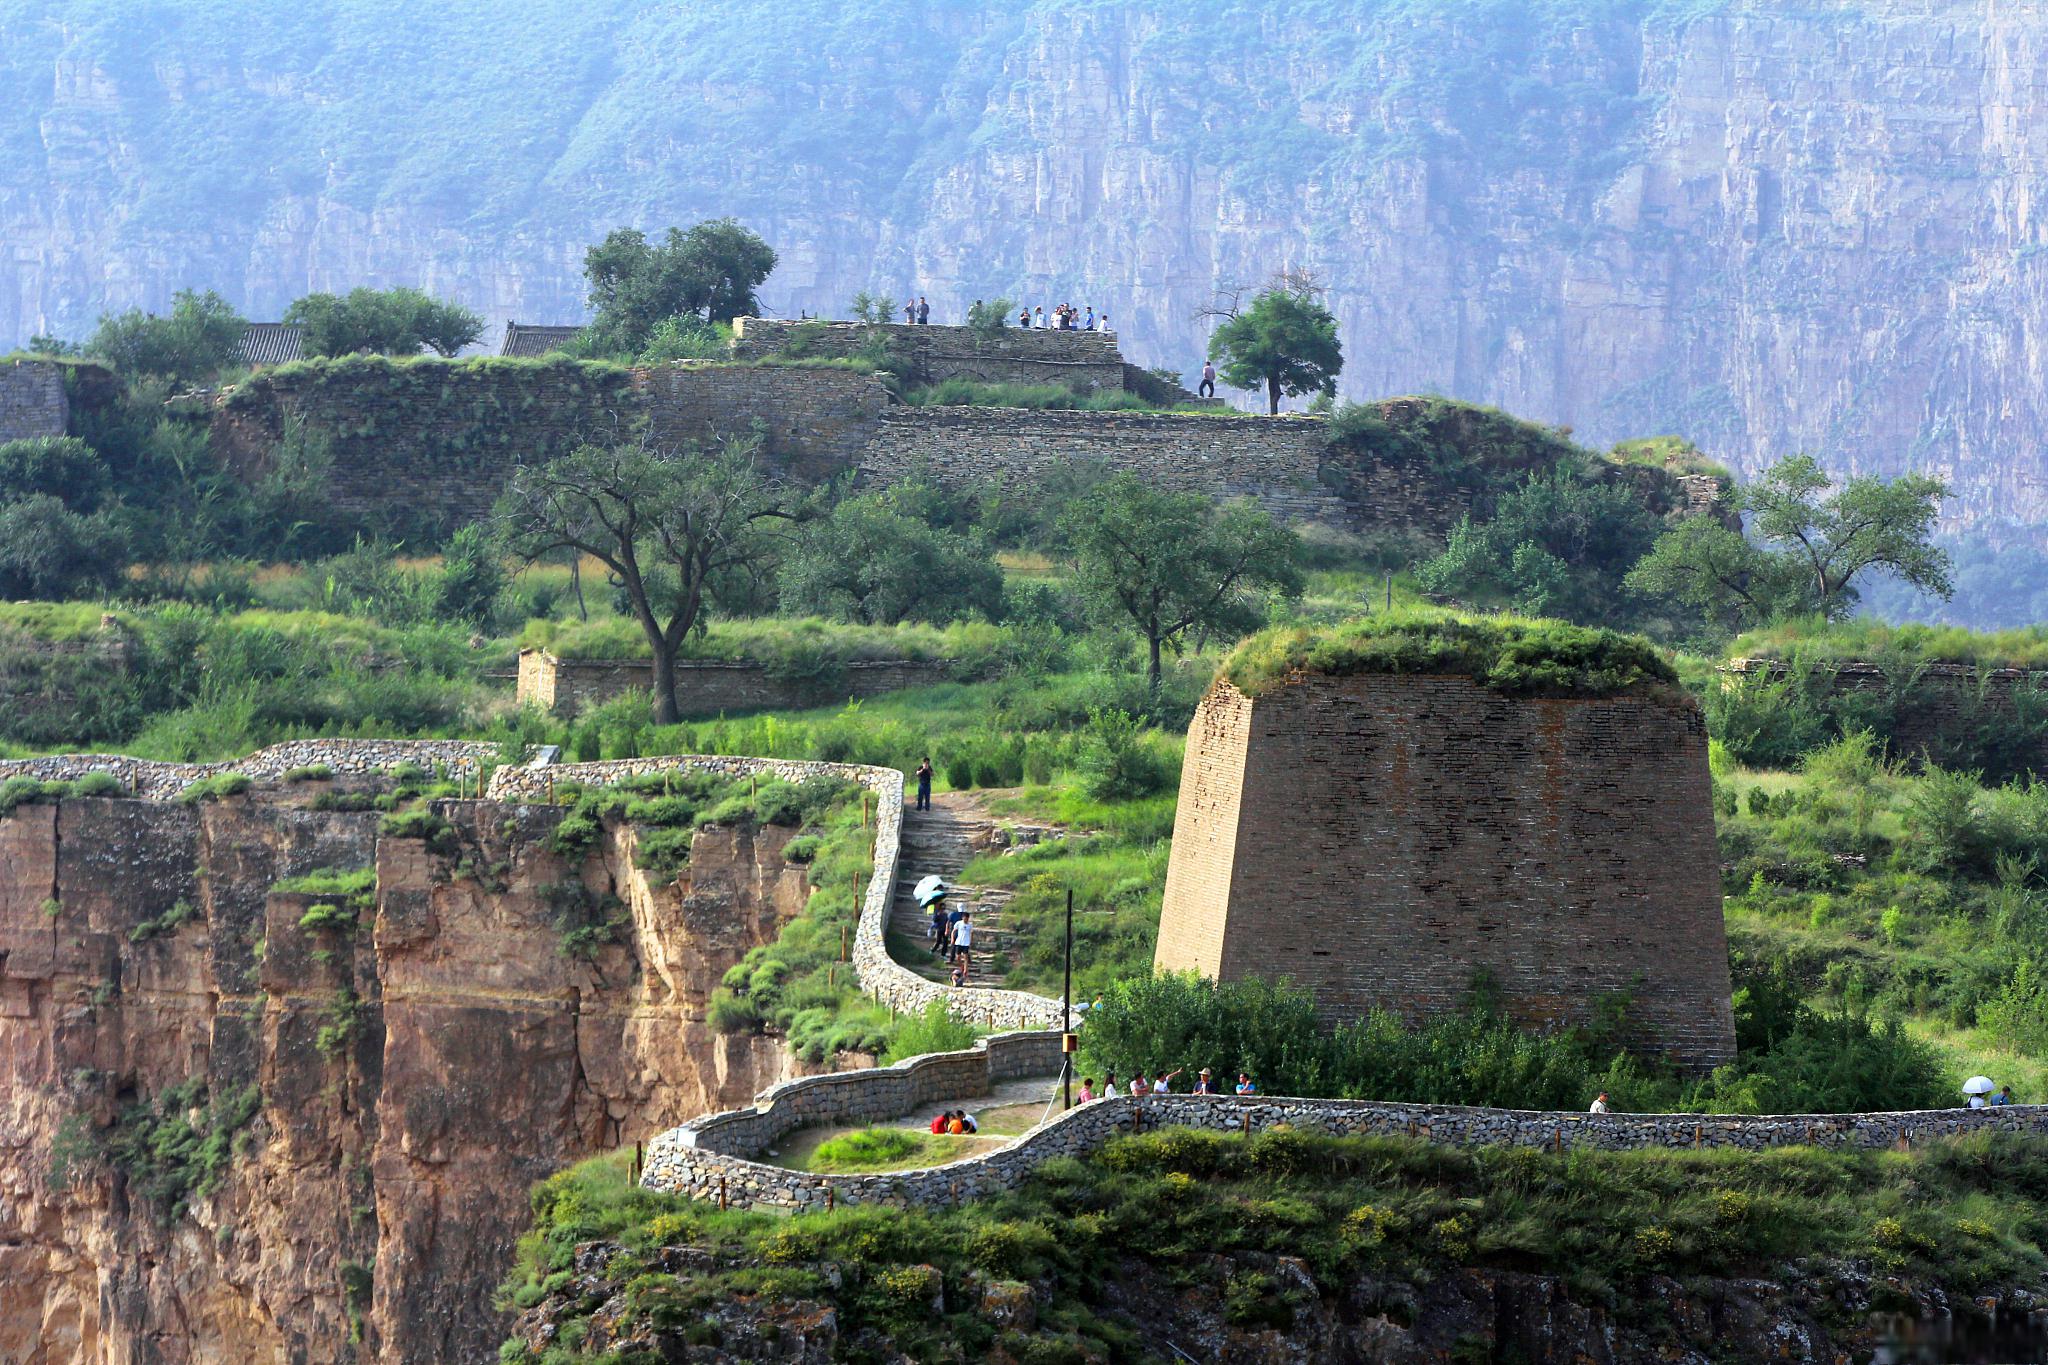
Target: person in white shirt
<point x="963" y="940"/>
<point x="1162" y="1084"/>
<point x="1599" y="1105"/>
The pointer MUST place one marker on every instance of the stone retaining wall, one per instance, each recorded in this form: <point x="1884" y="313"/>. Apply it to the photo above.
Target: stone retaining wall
<point x="154" y="781"/>
<point x="1083" y="361"/>
<point x="1932" y="707"/>
<point x="1277" y="460"/>
<point x="813" y="423"/>
<point x="32" y="400"/>
<point x="710" y="687"/>
<point x="881" y="976"/>
<point x="678" y="1160"/>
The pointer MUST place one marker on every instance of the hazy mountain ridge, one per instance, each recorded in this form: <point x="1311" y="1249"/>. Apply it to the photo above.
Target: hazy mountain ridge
<point x="1772" y="231"/>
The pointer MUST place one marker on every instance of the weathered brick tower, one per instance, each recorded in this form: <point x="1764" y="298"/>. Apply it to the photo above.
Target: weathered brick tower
<point x="1379" y="838"/>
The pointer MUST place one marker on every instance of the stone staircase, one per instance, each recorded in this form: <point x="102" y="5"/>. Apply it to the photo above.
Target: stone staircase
<point x="943" y="840"/>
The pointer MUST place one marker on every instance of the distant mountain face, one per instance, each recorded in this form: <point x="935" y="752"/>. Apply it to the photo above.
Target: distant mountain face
<point x="1770" y="231"/>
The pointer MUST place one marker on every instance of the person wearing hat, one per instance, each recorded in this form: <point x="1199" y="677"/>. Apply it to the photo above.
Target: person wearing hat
<point x="1203" y="1085"/>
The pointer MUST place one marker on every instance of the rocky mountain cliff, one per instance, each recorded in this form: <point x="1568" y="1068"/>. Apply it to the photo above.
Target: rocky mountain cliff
<point x="294" y="1135"/>
<point x="1770" y="229"/>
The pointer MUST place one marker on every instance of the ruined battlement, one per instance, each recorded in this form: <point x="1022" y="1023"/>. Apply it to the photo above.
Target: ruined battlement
<point x="1381" y="838"/>
<point x="1084" y="361"/>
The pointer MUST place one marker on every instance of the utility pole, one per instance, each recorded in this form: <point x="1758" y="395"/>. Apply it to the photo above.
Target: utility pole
<point x="1067" y="1048"/>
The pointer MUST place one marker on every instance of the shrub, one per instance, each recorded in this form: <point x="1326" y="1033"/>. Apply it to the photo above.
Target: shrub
<point x="935" y="1030"/>
<point x="324" y="918"/>
<point x="1116" y="762"/>
<point x="214" y="788"/>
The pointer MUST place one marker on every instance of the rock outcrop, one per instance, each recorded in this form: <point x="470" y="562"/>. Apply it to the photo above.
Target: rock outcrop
<point x="298" y="1134"/>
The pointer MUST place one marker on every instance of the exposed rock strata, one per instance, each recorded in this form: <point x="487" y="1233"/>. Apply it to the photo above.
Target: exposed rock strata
<point x="370" y="1209"/>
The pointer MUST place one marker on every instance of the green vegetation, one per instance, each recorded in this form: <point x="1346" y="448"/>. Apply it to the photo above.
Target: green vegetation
<point x="1206" y="1212"/>
<point x="705" y="275"/>
<point x="949" y="393"/>
<point x="888" y="1149"/>
<point x="873" y="561"/>
<point x="383" y="322"/>
<point x="181" y="912"/>
<point x="1506" y="653"/>
<point x="214" y="788"/>
<point x="1283" y="342"/>
<point x="172" y="1149"/>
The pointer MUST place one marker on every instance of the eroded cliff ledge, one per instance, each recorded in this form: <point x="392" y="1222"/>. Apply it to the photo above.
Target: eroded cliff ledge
<point x="301" y="1125"/>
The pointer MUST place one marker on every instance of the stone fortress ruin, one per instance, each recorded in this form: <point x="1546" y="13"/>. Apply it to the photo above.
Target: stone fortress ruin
<point x="1384" y="838"/>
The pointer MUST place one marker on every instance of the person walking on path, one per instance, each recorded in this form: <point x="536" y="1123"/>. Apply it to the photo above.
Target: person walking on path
<point x="2003" y="1097"/>
<point x="941" y="923"/>
<point x="1207" y="389"/>
<point x="924" y="312"/>
<point x="924" y="783"/>
<point x="963" y="943"/>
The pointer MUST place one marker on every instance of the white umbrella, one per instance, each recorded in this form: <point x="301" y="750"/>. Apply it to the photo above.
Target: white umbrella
<point x="930" y="889"/>
<point x="1979" y="1085"/>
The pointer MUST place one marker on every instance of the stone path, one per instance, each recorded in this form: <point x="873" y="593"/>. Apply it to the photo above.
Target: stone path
<point x="943" y="840"/>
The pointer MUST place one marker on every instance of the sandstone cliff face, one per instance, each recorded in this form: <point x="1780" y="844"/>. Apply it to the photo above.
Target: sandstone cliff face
<point x="1772" y="229"/>
<point x="373" y="1196"/>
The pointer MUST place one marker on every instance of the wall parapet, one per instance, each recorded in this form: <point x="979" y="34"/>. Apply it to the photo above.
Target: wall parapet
<point x="710" y="687"/>
<point x="688" y="1166"/>
<point x="158" y="781"/>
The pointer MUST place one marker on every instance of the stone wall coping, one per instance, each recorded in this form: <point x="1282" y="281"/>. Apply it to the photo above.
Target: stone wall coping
<point x="1082" y="419"/>
<point x="154" y="780"/>
<point x="679" y="1168"/>
<point x="1866" y="667"/>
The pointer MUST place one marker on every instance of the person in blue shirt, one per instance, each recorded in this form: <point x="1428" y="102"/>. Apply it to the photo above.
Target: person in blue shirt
<point x="2004" y="1096"/>
<point x="1244" y="1084"/>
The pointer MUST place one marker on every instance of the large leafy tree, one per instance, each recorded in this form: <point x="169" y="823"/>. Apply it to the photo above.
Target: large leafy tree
<point x="199" y="337"/>
<point x="1556" y="546"/>
<point x="871" y="562"/>
<point x="383" y="322"/>
<point x="1805" y="546"/>
<point x="710" y="272"/>
<point x="677" y="530"/>
<point x="1284" y="342"/>
<point x="1167" y="563"/>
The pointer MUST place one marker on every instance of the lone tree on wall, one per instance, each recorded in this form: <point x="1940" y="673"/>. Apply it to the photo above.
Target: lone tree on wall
<point x="383" y="322"/>
<point x="709" y="272"/>
<point x="1285" y="342"/>
<point x="1168" y="563"/>
<point x="677" y="531"/>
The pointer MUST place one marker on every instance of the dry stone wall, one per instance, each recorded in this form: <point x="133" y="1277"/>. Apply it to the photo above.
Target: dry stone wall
<point x="710" y="687"/>
<point x="1930" y="706"/>
<point x="154" y="781"/>
<point x="1276" y="460"/>
<point x="1379" y="839"/>
<point x="1083" y="361"/>
<point x="709" y="1158"/>
<point x="32" y="400"/>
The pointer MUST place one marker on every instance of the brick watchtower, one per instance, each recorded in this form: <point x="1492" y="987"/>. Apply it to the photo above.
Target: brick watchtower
<point x="1381" y="837"/>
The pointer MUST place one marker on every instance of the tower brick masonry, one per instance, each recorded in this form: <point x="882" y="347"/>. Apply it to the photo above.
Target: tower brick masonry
<point x="1380" y="839"/>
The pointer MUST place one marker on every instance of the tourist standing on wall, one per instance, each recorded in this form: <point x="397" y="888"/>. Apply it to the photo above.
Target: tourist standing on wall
<point x="1102" y="323"/>
<point x="1024" y="318"/>
<point x="924" y="784"/>
<point x="1088" y="323"/>
<point x="1041" y="315"/>
<point x="910" y="313"/>
<point x="1208" y="385"/>
<point x="924" y="312"/>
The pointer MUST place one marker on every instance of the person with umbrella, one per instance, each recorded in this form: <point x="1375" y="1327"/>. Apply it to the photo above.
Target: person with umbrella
<point x="1977" y="1087"/>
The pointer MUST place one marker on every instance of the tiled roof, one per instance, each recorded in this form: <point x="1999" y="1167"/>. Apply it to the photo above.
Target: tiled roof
<point x="273" y="343"/>
<point x="525" y="339"/>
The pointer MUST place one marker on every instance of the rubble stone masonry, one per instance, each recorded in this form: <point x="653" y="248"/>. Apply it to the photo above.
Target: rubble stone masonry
<point x="1382" y="839"/>
<point x="32" y="400"/>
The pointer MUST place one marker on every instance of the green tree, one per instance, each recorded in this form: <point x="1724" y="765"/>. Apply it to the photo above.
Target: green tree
<point x="987" y="319"/>
<point x="49" y="551"/>
<point x="711" y="272"/>
<point x="1556" y="546"/>
<point x="201" y="336"/>
<point x="677" y="530"/>
<point x="64" y="467"/>
<point x="1285" y="342"/>
<point x="873" y="309"/>
<point x="471" y="578"/>
<point x="870" y="562"/>
<point x="383" y="322"/>
<point x="1168" y="562"/>
<point x="1804" y="549"/>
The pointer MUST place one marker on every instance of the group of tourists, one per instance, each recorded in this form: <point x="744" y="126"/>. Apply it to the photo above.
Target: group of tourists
<point x="953" y="938"/>
<point x="1065" y="318"/>
<point x="955" y="1121"/>
<point x="917" y="312"/>
<point x="1986" y="1098"/>
<point x="1161" y="1084"/>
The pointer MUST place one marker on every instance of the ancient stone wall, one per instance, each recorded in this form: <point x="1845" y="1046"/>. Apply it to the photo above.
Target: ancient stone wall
<point x="707" y="1159"/>
<point x="710" y="687"/>
<point x="1380" y="839"/>
<point x="1276" y="460"/>
<point x="1083" y="361"/>
<point x="813" y="423"/>
<point x="158" y="781"/>
<point x="32" y="400"/>
<point x="1923" y="709"/>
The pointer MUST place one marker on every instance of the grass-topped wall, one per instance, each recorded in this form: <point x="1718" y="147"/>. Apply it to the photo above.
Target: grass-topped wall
<point x="1522" y="656"/>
